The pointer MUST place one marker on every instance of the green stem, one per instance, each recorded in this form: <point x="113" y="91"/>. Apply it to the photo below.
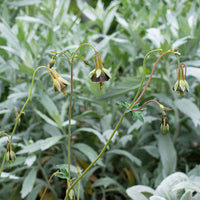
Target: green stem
<point x="4" y="134"/>
<point x="84" y="44"/>
<point x="69" y="127"/>
<point x="17" y="119"/>
<point x="146" y="104"/>
<point x="44" y="192"/>
<point x="176" y="118"/>
<point x="97" y="158"/>
<point x="83" y="59"/>
<point x="135" y="102"/>
<point x="70" y="106"/>
<point x="79" y="185"/>
<point x="4" y="159"/>
<point x="144" y="73"/>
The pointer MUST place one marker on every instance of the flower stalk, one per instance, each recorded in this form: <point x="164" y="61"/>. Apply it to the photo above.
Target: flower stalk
<point x="134" y="102"/>
<point x="70" y="111"/>
<point x="19" y="115"/>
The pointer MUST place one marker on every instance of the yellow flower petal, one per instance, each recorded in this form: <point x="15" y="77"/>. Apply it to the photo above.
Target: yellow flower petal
<point x="56" y="85"/>
<point x="91" y="73"/>
<point x="98" y="73"/>
<point x="106" y="72"/>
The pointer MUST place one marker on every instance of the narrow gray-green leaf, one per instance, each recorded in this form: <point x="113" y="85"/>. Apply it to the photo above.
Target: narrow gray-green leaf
<point x="59" y="5"/>
<point x="40" y="145"/>
<point x="33" y="20"/>
<point x="91" y="130"/>
<point x="51" y="108"/>
<point x="87" y="10"/>
<point x="47" y="119"/>
<point x="88" y="151"/>
<point x="152" y="150"/>
<point x="120" y="152"/>
<point x="187" y="107"/>
<point x="24" y="2"/>
<point x="167" y="154"/>
<point x="28" y="183"/>
<point x="109" y="17"/>
<point x="30" y="160"/>
<point x="194" y="71"/>
<point x="107" y="181"/>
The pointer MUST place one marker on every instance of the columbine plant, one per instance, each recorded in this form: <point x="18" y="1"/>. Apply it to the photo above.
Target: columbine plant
<point x="100" y="75"/>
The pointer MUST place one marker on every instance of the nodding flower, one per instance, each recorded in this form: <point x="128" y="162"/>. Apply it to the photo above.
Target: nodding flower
<point x="99" y="74"/>
<point x="164" y="125"/>
<point x="181" y="84"/>
<point x="10" y="155"/>
<point x="59" y="83"/>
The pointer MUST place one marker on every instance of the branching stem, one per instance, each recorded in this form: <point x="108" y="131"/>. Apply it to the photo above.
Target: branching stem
<point x="146" y="104"/>
<point x="134" y="102"/>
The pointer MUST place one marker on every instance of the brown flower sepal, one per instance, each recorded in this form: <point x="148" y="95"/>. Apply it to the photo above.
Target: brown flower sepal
<point x="59" y="83"/>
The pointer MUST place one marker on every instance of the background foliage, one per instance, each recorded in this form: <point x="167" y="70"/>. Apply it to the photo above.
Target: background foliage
<point x="123" y="32"/>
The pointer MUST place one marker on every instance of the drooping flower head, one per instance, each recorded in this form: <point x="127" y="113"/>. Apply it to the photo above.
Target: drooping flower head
<point x="10" y="154"/>
<point x="181" y="84"/>
<point x="164" y="124"/>
<point x="59" y="83"/>
<point x="99" y="74"/>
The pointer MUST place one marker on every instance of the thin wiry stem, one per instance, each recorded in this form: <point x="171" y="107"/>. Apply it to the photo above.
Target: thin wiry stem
<point x="146" y="104"/>
<point x="69" y="127"/>
<point x="144" y="73"/>
<point x="134" y="103"/>
<point x="70" y="107"/>
<point x="44" y="192"/>
<point x="20" y="113"/>
<point x="97" y="158"/>
<point x="22" y="110"/>
<point x="70" y="116"/>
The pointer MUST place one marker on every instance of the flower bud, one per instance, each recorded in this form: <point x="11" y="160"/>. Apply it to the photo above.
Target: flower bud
<point x="17" y="115"/>
<point x="86" y="62"/>
<point x="181" y="84"/>
<point x="52" y="61"/>
<point x="10" y="156"/>
<point x="164" y="125"/>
